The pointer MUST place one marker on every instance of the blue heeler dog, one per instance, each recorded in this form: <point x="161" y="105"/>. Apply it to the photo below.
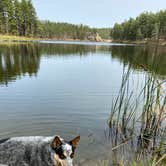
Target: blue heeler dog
<point x="37" y="151"/>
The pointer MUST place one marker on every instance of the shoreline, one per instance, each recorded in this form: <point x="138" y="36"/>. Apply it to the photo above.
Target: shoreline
<point x="143" y="42"/>
<point x="12" y="38"/>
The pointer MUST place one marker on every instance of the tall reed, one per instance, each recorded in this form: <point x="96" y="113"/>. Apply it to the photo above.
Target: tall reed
<point x="138" y="119"/>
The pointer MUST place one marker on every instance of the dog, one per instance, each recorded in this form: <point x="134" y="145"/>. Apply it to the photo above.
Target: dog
<point x="37" y="151"/>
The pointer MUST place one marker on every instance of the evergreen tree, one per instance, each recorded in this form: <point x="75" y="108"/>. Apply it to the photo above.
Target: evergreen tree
<point x="18" y="17"/>
<point x="4" y="10"/>
<point x="155" y="32"/>
<point x="162" y="23"/>
<point x="145" y="26"/>
<point x="139" y="35"/>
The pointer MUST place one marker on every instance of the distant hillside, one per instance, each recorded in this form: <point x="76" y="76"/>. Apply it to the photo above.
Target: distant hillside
<point x="144" y="27"/>
<point x="66" y="31"/>
<point x="105" y="33"/>
<point x="18" y="17"/>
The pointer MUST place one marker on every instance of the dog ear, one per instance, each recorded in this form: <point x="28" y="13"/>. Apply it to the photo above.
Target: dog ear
<point x="75" y="141"/>
<point x="56" y="142"/>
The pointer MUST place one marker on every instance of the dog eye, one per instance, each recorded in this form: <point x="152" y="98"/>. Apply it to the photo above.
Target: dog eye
<point x="72" y="155"/>
<point x="62" y="156"/>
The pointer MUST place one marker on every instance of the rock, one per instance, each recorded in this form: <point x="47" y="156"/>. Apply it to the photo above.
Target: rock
<point x="98" y="38"/>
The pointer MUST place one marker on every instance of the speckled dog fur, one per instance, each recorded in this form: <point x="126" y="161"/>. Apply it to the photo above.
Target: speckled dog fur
<point x="37" y="151"/>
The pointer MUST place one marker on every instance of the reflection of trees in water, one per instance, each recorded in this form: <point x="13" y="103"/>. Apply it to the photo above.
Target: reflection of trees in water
<point x="16" y="60"/>
<point x="66" y="49"/>
<point x="152" y="59"/>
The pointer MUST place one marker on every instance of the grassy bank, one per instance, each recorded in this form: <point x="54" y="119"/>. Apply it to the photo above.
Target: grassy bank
<point x="10" y="38"/>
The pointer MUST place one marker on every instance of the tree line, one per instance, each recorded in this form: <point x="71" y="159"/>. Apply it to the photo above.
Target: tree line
<point x="18" y="17"/>
<point x="146" y="26"/>
<point x="48" y="29"/>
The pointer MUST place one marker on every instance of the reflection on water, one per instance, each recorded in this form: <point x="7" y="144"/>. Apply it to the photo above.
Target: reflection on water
<point x="152" y="59"/>
<point x="16" y="60"/>
<point x="66" y="89"/>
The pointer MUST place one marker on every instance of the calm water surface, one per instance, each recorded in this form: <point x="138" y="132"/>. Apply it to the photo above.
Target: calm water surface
<point x="67" y="89"/>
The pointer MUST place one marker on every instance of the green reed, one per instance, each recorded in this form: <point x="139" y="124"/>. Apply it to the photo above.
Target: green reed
<point x="137" y="123"/>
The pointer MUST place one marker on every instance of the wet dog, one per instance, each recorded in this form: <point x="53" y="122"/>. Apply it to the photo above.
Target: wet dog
<point x="37" y="151"/>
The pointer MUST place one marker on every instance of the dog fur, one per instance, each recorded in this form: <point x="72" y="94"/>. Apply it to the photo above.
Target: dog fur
<point x="34" y="151"/>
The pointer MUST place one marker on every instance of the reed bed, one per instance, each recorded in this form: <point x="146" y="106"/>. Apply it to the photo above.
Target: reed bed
<point x="137" y="124"/>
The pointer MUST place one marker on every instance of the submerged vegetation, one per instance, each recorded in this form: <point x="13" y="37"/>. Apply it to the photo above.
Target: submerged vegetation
<point x="137" y="124"/>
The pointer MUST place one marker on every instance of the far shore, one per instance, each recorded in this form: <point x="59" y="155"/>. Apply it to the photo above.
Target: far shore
<point x="11" y="38"/>
<point x="142" y="42"/>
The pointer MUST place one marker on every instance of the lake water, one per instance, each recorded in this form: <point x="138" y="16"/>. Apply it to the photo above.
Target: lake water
<point x="66" y="88"/>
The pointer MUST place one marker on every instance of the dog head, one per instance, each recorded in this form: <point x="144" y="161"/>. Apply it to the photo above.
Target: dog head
<point x="64" y="151"/>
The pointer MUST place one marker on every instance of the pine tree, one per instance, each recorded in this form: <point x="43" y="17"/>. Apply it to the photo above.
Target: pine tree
<point x="4" y="9"/>
<point x="31" y="18"/>
<point x="155" y="32"/>
<point x="139" y="35"/>
<point x="17" y="16"/>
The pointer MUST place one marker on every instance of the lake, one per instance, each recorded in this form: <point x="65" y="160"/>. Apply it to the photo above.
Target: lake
<point x="66" y="88"/>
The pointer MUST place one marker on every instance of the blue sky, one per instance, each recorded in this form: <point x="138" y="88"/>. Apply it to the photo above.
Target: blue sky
<point x="95" y="13"/>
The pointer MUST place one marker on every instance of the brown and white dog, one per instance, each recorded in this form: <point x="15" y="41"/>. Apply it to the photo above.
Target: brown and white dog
<point x="37" y="151"/>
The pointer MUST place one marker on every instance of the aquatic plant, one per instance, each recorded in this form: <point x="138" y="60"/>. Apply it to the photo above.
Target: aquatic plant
<point x="137" y="124"/>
